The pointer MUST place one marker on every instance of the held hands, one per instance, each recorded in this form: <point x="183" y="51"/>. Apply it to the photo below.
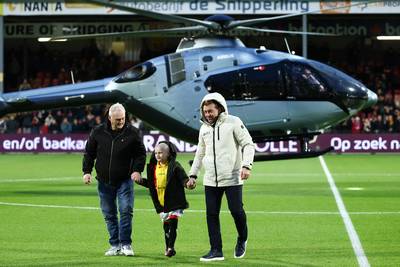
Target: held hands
<point x="136" y="177"/>
<point x="191" y="183"/>
<point x="87" y="178"/>
<point x="163" y="216"/>
<point x="244" y="174"/>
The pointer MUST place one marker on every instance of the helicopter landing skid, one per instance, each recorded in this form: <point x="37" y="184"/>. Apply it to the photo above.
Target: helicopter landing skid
<point x="300" y="155"/>
<point x="282" y="156"/>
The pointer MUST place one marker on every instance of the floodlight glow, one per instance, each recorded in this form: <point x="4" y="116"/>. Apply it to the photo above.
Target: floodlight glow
<point x="388" y="38"/>
<point x="44" y="39"/>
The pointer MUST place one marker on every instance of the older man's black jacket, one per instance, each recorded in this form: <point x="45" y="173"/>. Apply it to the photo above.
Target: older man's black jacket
<point x="117" y="154"/>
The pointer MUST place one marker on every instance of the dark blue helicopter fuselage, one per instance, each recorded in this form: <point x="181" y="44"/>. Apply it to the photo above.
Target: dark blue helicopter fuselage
<point x="277" y="95"/>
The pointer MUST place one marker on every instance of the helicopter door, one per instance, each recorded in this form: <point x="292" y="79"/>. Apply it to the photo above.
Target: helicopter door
<point x="257" y="94"/>
<point x="264" y="98"/>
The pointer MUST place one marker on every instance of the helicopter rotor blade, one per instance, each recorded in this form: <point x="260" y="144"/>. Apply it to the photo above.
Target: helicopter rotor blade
<point x="155" y="15"/>
<point x="173" y="32"/>
<point x="249" y="22"/>
<point x="282" y="31"/>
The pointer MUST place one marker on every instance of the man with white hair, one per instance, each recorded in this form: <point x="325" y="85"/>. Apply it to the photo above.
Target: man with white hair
<point x="116" y="150"/>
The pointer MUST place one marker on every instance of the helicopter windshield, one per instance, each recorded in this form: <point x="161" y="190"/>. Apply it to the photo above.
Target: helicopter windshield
<point x="347" y="91"/>
<point x="347" y="84"/>
<point x="136" y="73"/>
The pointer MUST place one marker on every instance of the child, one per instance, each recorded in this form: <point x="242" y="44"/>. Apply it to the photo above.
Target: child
<point x="166" y="181"/>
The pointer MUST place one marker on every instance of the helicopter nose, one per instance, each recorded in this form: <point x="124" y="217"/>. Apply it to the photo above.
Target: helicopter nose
<point x="372" y="99"/>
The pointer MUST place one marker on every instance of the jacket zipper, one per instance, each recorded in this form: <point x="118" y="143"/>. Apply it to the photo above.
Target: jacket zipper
<point x="215" y="161"/>
<point x="218" y="133"/>
<point x="112" y="149"/>
<point x="109" y="164"/>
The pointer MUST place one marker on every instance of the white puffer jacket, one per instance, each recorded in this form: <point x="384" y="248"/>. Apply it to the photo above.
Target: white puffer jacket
<point x="223" y="149"/>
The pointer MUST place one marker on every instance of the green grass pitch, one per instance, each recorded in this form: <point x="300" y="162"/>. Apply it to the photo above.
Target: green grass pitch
<point x="48" y="217"/>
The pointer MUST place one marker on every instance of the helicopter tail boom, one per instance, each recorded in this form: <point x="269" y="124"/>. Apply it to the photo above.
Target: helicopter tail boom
<point x="57" y="96"/>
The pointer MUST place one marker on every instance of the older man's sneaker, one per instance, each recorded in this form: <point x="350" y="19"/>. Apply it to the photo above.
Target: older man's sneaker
<point x="113" y="251"/>
<point x="240" y="249"/>
<point x="127" y="250"/>
<point x="213" y="255"/>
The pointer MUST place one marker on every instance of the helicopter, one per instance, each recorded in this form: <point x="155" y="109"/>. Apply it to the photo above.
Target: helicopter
<point x="279" y="96"/>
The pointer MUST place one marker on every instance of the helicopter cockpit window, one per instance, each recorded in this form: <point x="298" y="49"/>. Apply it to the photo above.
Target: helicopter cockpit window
<point x="136" y="73"/>
<point x="306" y="83"/>
<point x="262" y="82"/>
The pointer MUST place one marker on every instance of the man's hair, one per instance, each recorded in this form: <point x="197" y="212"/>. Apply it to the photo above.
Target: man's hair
<point x="116" y="107"/>
<point x="212" y="101"/>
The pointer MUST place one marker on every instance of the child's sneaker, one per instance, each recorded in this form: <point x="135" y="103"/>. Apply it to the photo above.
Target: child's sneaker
<point x="170" y="252"/>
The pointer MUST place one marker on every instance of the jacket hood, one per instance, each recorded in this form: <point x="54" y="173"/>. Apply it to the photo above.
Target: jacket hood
<point x="172" y="152"/>
<point x="216" y="97"/>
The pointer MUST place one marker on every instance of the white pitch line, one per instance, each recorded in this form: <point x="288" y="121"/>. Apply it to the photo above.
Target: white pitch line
<point x="38" y="179"/>
<point x="309" y="174"/>
<point x="203" y="211"/>
<point x="268" y="174"/>
<point x="351" y="231"/>
<point x="47" y="206"/>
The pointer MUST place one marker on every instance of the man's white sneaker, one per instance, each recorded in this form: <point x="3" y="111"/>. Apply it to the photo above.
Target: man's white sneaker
<point x="113" y="251"/>
<point x="127" y="250"/>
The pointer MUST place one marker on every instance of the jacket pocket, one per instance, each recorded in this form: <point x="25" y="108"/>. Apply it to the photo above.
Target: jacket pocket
<point x="226" y="163"/>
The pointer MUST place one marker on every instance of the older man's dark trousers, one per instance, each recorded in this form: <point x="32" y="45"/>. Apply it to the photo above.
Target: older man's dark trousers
<point x="120" y="231"/>
<point x="213" y="206"/>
